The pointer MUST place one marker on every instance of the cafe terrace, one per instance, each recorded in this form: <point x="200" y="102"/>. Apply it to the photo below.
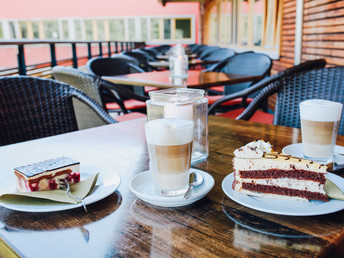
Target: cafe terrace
<point x="75" y="80"/>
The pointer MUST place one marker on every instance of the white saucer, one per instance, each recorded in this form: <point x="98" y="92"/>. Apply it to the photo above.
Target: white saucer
<point x="143" y="187"/>
<point x="296" y="150"/>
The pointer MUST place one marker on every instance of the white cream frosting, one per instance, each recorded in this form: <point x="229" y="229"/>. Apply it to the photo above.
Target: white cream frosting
<point x="248" y="153"/>
<point x="253" y="150"/>
<point x="260" y="144"/>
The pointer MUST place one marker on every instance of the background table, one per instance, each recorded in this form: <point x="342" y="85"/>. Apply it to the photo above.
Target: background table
<point x="192" y="63"/>
<point x="195" y="79"/>
<point x="122" y="225"/>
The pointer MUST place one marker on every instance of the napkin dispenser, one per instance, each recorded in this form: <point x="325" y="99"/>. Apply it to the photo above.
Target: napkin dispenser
<point x="178" y="62"/>
<point x="187" y="104"/>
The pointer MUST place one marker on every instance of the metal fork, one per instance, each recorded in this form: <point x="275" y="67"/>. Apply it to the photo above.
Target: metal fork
<point x="64" y="185"/>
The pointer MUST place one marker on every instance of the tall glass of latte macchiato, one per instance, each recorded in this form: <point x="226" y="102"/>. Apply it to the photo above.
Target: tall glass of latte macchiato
<point x="169" y="143"/>
<point x="319" y="126"/>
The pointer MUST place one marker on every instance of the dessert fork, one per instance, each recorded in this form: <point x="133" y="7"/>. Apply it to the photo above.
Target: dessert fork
<point x="64" y="185"/>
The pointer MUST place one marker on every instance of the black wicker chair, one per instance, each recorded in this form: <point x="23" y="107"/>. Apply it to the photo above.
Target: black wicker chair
<point x="207" y="51"/>
<point x="33" y="108"/>
<point x="162" y="49"/>
<point x="142" y="60"/>
<point x="219" y="55"/>
<point x="198" y="49"/>
<point x="126" y="58"/>
<point x="148" y="56"/>
<point x="114" y="66"/>
<point x="293" y="85"/>
<point x="153" y="53"/>
<point x="326" y="83"/>
<point x="247" y="63"/>
<point x="112" y="97"/>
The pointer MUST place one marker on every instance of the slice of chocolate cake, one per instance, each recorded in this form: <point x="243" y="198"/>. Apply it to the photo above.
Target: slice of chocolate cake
<point x="43" y="175"/>
<point x="275" y="175"/>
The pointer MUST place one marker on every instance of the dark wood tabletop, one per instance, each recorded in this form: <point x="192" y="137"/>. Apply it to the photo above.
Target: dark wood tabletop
<point x="166" y="57"/>
<point x="122" y="225"/>
<point x="192" y="63"/>
<point x="195" y="79"/>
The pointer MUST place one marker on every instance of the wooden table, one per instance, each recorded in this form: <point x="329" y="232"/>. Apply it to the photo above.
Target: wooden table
<point x="192" y="63"/>
<point x="166" y="57"/>
<point x="122" y="225"/>
<point x="195" y="79"/>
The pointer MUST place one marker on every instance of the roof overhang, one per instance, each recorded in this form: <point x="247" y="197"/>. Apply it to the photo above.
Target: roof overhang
<point x="163" y="2"/>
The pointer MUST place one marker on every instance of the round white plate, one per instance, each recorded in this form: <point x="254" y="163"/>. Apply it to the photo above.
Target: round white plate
<point x="105" y="186"/>
<point x="285" y="207"/>
<point x="143" y="187"/>
<point x="296" y="150"/>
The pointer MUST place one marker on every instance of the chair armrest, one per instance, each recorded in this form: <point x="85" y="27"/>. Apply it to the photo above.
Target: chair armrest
<point x="240" y="94"/>
<point x="272" y="85"/>
<point x="95" y="107"/>
<point x="122" y="90"/>
<point x="135" y="69"/>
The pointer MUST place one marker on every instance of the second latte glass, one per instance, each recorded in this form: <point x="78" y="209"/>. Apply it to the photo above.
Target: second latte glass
<point x="319" y="126"/>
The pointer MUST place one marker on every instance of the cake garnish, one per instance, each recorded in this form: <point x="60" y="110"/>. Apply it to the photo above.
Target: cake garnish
<point x="261" y="144"/>
<point x="247" y="152"/>
<point x="253" y="150"/>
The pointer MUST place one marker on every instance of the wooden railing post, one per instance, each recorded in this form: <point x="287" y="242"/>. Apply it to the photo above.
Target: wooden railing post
<point x="21" y="60"/>
<point x="75" y="58"/>
<point x="53" y="55"/>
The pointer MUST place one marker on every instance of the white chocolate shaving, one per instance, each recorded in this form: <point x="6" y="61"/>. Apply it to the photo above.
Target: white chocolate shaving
<point x="253" y="150"/>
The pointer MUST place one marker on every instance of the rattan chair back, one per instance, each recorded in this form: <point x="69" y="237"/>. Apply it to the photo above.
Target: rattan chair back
<point x="114" y="66"/>
<point x="33" y="108"/>
<point x="248" y="64"/>
<point x="142" y="60"/>
<point x="100" y="90"/>
<point x="219" y="55"/>
<point x="111" y="66"/>
<point x="266" y="88"/>
<point x="326" y="83"/>
<point x="126" y="58"/>
<point x="306" y="81"/>
<point x="207" y="51"/>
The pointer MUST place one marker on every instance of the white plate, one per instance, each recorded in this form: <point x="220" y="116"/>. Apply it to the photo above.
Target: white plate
<point x="285" y="207"/>
<point x="296" y="150"/>
<point x="143" y="187"/>
<point x="105" y="186"/>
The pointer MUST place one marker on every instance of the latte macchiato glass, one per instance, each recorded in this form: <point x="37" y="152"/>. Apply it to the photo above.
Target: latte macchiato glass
<point x="169" y="143"/>
<point x="319" y="126"/>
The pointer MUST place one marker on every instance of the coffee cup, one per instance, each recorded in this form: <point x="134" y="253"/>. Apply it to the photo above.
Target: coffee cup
<point x="169" y="143"/>
<point x="319" y="127"/>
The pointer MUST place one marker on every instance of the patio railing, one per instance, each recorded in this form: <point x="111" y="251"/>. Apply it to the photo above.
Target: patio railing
<point x="105" y="48"/>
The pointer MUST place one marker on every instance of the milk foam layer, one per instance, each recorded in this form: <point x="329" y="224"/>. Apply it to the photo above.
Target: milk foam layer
<point x="320" y="110"/>
<point x="169" y="131"/>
